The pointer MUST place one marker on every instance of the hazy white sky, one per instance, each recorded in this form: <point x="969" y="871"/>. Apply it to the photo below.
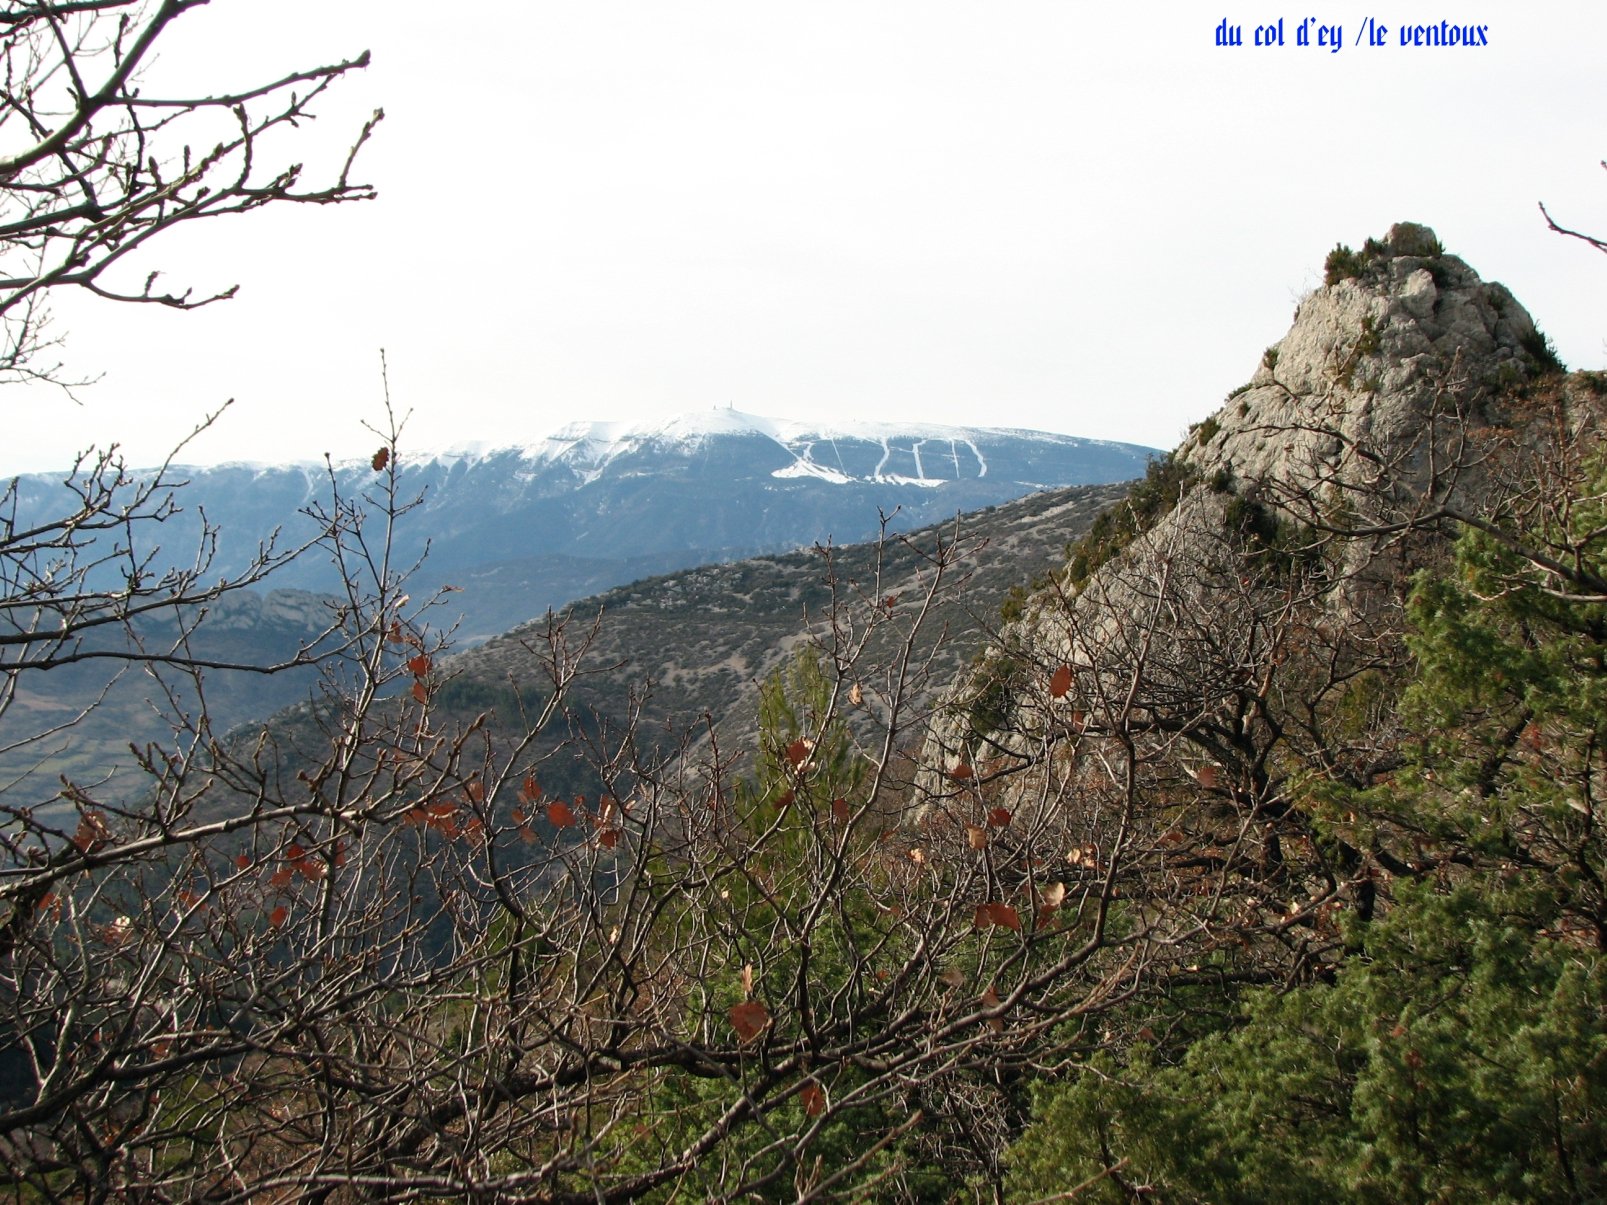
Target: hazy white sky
<point x="1038" y="213"/>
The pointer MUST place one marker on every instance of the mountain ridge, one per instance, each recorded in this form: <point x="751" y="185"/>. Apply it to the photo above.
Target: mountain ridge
<point x="690" y="427"/>
<point x="525" y="527"/>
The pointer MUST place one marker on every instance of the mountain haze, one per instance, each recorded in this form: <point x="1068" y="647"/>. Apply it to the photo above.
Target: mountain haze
<point x="524" y="526"/>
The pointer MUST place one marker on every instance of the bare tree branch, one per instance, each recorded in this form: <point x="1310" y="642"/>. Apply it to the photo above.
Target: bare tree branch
<point x="97" y="169"/>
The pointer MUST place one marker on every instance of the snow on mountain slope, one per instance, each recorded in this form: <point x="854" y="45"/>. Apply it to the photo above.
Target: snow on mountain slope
<point x="525" y="524"/>
<point x="807" y="449"/>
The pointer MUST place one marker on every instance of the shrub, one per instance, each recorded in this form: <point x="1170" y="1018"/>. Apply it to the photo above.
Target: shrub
<point x="1542" y="352"/>
<point x="1155" y="495"/>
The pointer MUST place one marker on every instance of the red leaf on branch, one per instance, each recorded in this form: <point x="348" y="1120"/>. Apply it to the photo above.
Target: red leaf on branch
<point x="999" y="818"/>
<point x="840" y="811"/>
<point x="278" y="915"/>
<point x="418" y="666"/>
<point x="798" y="752"/>
<point x="560" y="814"/>
<point x="749" y="1019"/>
<point x="419" y="693"/>
<point x="988" y="915"/>
<point x="381" y="459"/>
<point x="813" y="1098"/>
<point x="1060" y="682"/>
<point x="531" y="791"/>
<point x="963" y="773"/>
<point x="92" y="834"/>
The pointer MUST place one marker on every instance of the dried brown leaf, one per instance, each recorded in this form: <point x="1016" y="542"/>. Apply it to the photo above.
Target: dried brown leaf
<point x="1060" y="682"/>
<point x="749" y="1019"/>
<point x="813" y="1098"/>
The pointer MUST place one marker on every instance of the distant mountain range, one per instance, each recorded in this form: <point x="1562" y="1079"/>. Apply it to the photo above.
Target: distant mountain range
<point x="522" y="527"/>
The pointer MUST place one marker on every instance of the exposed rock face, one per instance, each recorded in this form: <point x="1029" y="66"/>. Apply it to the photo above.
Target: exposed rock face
<point x="1365" y="416"/>
<point x="1184" y="736"/>
<point x="297" y="611"/>
<point x="1369" y="360"/>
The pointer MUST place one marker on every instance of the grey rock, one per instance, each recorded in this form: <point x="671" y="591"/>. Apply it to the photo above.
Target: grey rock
<point x="1363" y="409"/>
<point x="1368" y="360"/>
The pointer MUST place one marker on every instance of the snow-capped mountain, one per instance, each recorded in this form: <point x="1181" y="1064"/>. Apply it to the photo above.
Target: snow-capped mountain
<point x="526" y="525"/>
<point x="840" y="454"/>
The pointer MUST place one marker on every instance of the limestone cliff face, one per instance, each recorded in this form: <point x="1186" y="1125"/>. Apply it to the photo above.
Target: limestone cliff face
<point x="293" y="611"/>
<point x="1404" y="334"/>
<point x="1167" y="638"/>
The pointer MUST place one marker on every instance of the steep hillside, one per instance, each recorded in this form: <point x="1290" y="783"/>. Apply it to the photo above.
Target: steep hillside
<point x="1228" y="648"/>
<point x="682" y="656"/>
<point x="1317" y="719"/>
<point x="701" y="641"/>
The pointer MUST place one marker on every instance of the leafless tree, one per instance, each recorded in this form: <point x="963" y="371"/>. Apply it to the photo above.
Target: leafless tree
<point x="400" y="969"/>
<point x="377" y="957"/>
<point x="365" y="954"/>
<point x="94" y="169"/>
<point x="369" y="957"/>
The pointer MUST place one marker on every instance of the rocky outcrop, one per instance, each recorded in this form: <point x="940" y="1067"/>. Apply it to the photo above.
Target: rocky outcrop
<point x="1292" y="516"/>
<point x="298" y="611"/>
<point x="1402" y="334"/>
<point x="1179" y="742"/>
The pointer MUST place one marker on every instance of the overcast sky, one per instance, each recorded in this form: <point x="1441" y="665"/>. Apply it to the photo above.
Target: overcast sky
<point x="1034" y="213"/>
